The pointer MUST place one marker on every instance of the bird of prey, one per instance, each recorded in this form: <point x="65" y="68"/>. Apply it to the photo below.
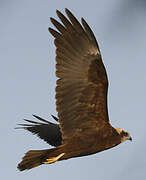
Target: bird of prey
<point x="83" y="126"/>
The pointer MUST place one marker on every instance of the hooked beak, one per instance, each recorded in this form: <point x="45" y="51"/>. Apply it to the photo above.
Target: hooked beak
<point x="130" y="138"/>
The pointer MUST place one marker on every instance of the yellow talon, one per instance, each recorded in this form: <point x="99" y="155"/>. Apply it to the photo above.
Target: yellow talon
<point x="53" y="159"/>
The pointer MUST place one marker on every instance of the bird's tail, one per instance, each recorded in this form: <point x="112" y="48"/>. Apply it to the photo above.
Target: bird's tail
<point x="35" y="158"/>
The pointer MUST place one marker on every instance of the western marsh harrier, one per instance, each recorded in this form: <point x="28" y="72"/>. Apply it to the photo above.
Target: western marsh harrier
<point x="81" y="99"/>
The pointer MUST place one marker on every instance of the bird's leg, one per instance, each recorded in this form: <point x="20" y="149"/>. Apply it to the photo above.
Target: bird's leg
<point x="53" y="159"/>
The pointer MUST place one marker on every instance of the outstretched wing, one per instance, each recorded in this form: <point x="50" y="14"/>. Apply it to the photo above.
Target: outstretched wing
<point x="47" y="131"/>
<point x="81" y="92"/>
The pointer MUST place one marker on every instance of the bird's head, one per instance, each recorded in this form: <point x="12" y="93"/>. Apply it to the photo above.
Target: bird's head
<point x="123" y="134"/>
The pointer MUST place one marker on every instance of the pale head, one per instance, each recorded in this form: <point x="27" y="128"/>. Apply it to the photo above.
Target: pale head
<point x="124" y="134"/>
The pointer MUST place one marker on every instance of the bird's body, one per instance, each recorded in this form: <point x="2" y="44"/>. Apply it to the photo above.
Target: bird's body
<point x="81" y="99"/>
<point x="82" y="146"/>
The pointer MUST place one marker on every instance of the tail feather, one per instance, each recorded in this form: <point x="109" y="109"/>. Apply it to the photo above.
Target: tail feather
<point x="35" y="158"/>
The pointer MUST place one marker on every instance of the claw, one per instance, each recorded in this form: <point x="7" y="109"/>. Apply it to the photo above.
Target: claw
<point x="53" y="159"/>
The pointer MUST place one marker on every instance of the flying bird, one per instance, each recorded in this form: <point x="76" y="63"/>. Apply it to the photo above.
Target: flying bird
<point x="83" y="126"/>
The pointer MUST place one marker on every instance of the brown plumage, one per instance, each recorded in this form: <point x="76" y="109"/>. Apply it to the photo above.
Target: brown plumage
<point x="81" y="99"/>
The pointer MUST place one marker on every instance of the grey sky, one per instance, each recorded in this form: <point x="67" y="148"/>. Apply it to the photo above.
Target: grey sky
<point x="27" y="66"/>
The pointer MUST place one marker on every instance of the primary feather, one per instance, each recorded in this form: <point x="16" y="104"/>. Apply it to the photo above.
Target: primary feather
<point x="49" y="132"/>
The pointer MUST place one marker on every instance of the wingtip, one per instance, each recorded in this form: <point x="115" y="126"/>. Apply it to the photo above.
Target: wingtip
<point x="59" y="14"/>
<point x="17" y="127"/>
<point x="54" y="117"/>
<point x="84" y="23"/>
<point x="51" y="19"/>
<point x="50" y="29"/>
<point x="82" y="19"/>
<point x="67" y="10"/>
<point x="57" y="11"/>
<point x="22" y="126"/>
<point x="34" y="115"/>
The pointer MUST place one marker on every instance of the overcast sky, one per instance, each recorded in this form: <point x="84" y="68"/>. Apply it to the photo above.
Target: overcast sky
<point x="27" y="82"/>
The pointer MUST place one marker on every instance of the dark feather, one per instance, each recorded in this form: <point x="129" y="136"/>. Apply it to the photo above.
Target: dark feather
<point x="55" y="118"/>
<point x="47" y="131"/>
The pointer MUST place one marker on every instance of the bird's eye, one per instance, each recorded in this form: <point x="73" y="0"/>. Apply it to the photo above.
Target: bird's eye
<point x="124" y="133"/>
